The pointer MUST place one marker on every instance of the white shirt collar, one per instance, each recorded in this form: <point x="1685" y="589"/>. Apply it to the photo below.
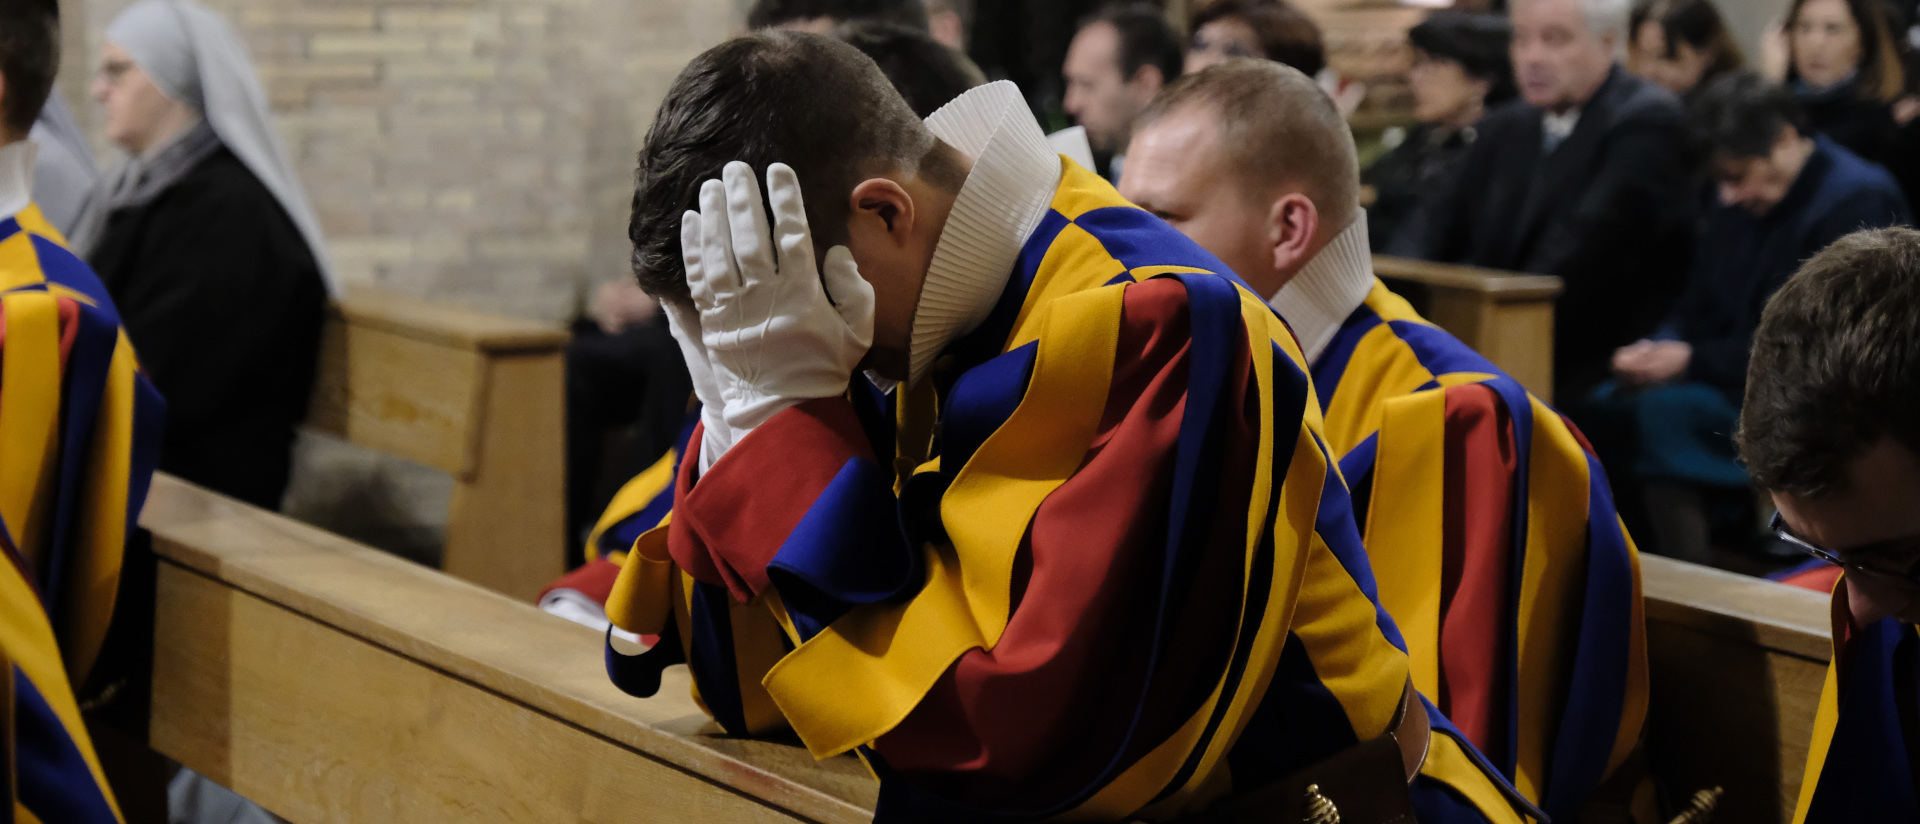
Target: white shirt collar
<point x="16" y="177"/>
<point x="1015" y="174"/>
<point x="1558" y="127"/>
<point x="1326" y="290"/>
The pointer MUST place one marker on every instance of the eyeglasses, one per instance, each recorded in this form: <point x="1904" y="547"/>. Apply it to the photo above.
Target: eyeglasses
<point x="1911" y="577"/>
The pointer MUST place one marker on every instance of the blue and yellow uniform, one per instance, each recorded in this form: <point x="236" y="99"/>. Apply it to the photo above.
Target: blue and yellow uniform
<point x="1119" y="578"/>
<point x="1866" y="739"/>
<point x="1498" y="553"/>
<point x="79" y="429"/>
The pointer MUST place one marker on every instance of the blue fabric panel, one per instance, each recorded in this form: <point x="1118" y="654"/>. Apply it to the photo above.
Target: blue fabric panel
<point x="846" y="550"/>
<point x="1869" y="771"/>
<point x="85" y="379"/>
<point x="55" y="782"/>
<point x="712" y="661"/>
<point x="980" y="402"/>
<point x="1336" y="527"/>
<point x="639" y="675"/>
<point x="1332" y="363"/>
<point x="62" y="267"/>
<point x="1136" y="238"/>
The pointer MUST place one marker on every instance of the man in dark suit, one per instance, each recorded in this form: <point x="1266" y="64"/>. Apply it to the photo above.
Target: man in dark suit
<point x="1587" y="177"/>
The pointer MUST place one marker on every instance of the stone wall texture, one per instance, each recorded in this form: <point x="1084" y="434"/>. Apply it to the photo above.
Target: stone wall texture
<point x="474" y="151"/>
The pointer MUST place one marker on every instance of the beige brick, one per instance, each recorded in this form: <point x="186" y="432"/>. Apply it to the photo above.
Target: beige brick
<point x="378" y="44"/>
<point x="308" y="18"/>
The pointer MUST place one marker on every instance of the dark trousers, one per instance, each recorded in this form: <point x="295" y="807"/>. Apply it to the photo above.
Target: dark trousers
<point x="627" y="397"/>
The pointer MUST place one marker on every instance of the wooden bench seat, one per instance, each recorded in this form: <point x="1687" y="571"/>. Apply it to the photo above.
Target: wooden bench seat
<point x="475" y="395"/>
<point x="331" y="682"/>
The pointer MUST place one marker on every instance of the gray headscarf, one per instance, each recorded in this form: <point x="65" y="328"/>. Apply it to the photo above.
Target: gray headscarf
<point x="195" y="58"/>
<point x="63" y="171"/>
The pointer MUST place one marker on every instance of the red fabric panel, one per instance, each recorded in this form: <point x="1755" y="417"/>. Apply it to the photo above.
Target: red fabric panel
<point x="1480" y="465"/>
<point x="593" y="579"/>
<point x="1056" y="694"/>
<point x="1819" y="580"/>
<point x="727" y="527"/>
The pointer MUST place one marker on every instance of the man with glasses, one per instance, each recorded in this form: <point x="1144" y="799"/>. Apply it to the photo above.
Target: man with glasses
<point x="1830" y="429"/>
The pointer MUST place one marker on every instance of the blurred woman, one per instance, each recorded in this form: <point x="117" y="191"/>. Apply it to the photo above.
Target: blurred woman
<point x="1683" y="44"/>
<point x="1844" y="69"/>
<point x="1460" y="68"/>
<point x="207" y="243"/>
<point x="1270" y="29"/>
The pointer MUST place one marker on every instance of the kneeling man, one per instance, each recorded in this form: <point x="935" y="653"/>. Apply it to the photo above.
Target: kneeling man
<point x="1488" y="521"/>
<point x="1091" y="559"/>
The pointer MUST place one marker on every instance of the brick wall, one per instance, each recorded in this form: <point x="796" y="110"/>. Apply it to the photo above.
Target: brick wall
<point x="475" y="151"/>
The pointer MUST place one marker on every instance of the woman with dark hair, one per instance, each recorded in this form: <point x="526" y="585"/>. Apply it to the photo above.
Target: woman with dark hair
<point x="1846" y="72"/>
<point x="1682" y="45"/>
<point x="1270" y="29"/>
<point x="1460" y="68"/>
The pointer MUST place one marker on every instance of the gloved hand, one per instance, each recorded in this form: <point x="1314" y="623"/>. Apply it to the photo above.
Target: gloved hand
<point x="769" y="327"/>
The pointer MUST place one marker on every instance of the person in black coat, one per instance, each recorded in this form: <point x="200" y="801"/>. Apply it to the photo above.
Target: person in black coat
<point x="209" y="248"/>
<point x="1588" y="177"/>
<point x="1783" y="195"/>
<point x="1846" y="72"/>
<point x="1460" y="68"/>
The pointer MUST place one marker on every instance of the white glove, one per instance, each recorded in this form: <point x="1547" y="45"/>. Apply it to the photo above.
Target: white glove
<point x="684" y="322"/>
<point x="772" y="335"/>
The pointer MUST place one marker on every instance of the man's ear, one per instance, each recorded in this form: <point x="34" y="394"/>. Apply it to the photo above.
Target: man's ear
<point x="1146" y="82"/>
<point x="886" y="202"/>
<point x="1292" y="224"/>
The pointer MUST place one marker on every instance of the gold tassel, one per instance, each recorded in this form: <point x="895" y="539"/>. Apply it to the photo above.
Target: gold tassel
<point x="1320" y="809"/>
<point x="1699" y="810"/>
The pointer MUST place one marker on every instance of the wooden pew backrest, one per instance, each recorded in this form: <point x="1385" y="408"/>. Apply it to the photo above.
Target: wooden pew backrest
<point x="478" y="396"/>
<point x="1506" y="316"/>
<point x="329" y="681"/>
<point x="1737" y="664"/>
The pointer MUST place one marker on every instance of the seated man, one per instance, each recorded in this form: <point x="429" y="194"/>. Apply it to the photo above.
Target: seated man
<point x="79" y="430"/>
<point x="1116" y="62"/>
<point x="1828" y="429"/>
<point x="1096" y="561"/>
<point x="1783" y="195"/>
<point x="1488" y="523"/>
<point x="1587" y="178"/>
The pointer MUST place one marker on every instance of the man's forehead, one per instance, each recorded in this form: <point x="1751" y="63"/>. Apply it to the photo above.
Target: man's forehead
<point x="1878" y="500"/>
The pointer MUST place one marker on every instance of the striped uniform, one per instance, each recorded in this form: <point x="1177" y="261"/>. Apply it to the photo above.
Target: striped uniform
<point x="1497" y="550"/>
<point x="1864" y="762"/>
<point x="79" y="430"/>
<point x="1121" y="577"/>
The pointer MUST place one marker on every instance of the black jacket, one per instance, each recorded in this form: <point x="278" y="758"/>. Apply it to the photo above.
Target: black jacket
<point x="1405" y="177"/>
<point x="1611" y="210"/>
<point x="223" y="303"/>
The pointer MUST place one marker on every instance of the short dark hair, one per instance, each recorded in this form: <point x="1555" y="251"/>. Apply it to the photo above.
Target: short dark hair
<point x="29" y="59"/>
<point x="1146" y="38"/>
<point x="1740" y="115"/>
<point x="1287" y="35"/>
<point x="807" y="100"/>
<point x="1836" y="364"/>
<point x="766" y="14"/>
<point x="1698" y="24"/>
<point x="1478" y="42"/>
<point x="925" y="72"/>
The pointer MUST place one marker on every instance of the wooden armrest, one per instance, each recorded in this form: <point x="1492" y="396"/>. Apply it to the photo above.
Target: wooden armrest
<point x="286" y="654"/>
<point x="1498" y="285"/>
<point x="442" y="324"/>
<point x="1730" y="605"/>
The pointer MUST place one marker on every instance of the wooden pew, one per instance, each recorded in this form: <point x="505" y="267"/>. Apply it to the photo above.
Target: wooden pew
<point x="1507" y="317"/>
<point x="475" y="395"/>
<point x="1737" y="667"/>
<point x="328" y="682"/>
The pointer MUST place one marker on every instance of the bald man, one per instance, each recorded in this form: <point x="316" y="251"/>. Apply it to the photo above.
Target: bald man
<point x="1486" y="517"/>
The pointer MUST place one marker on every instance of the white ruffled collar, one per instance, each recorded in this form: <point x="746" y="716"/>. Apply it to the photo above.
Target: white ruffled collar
<point x="1318" y="299"/>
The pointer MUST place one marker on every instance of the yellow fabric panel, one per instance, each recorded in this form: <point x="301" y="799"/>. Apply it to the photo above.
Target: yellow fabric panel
<point x="642" y="596"/>
<point x="1382" y="368"/>
<point x="1553" y="574"/>
<point x="633" y="496"/>
<point x="1145" y="272"/>
<point x="758" y="643"/>
<point x="19" y="263"/>
<point x="1633" y="711"/>
<point x="94" y="577"/>
<point x="1825" y="720"/>
<point x="1081" y="191"/>
<point x="30" y="395"/>
<point x="1404" y="539"/>
<point x="32" y="220"/>
<point x="965" y="601"/>
<point x="1075" y="262"/>
<point x="27" y="636"/>
<point x="1450" y="765"/>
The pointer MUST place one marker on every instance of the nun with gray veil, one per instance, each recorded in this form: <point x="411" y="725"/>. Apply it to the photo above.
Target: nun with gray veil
<point x="206" y="241"/>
